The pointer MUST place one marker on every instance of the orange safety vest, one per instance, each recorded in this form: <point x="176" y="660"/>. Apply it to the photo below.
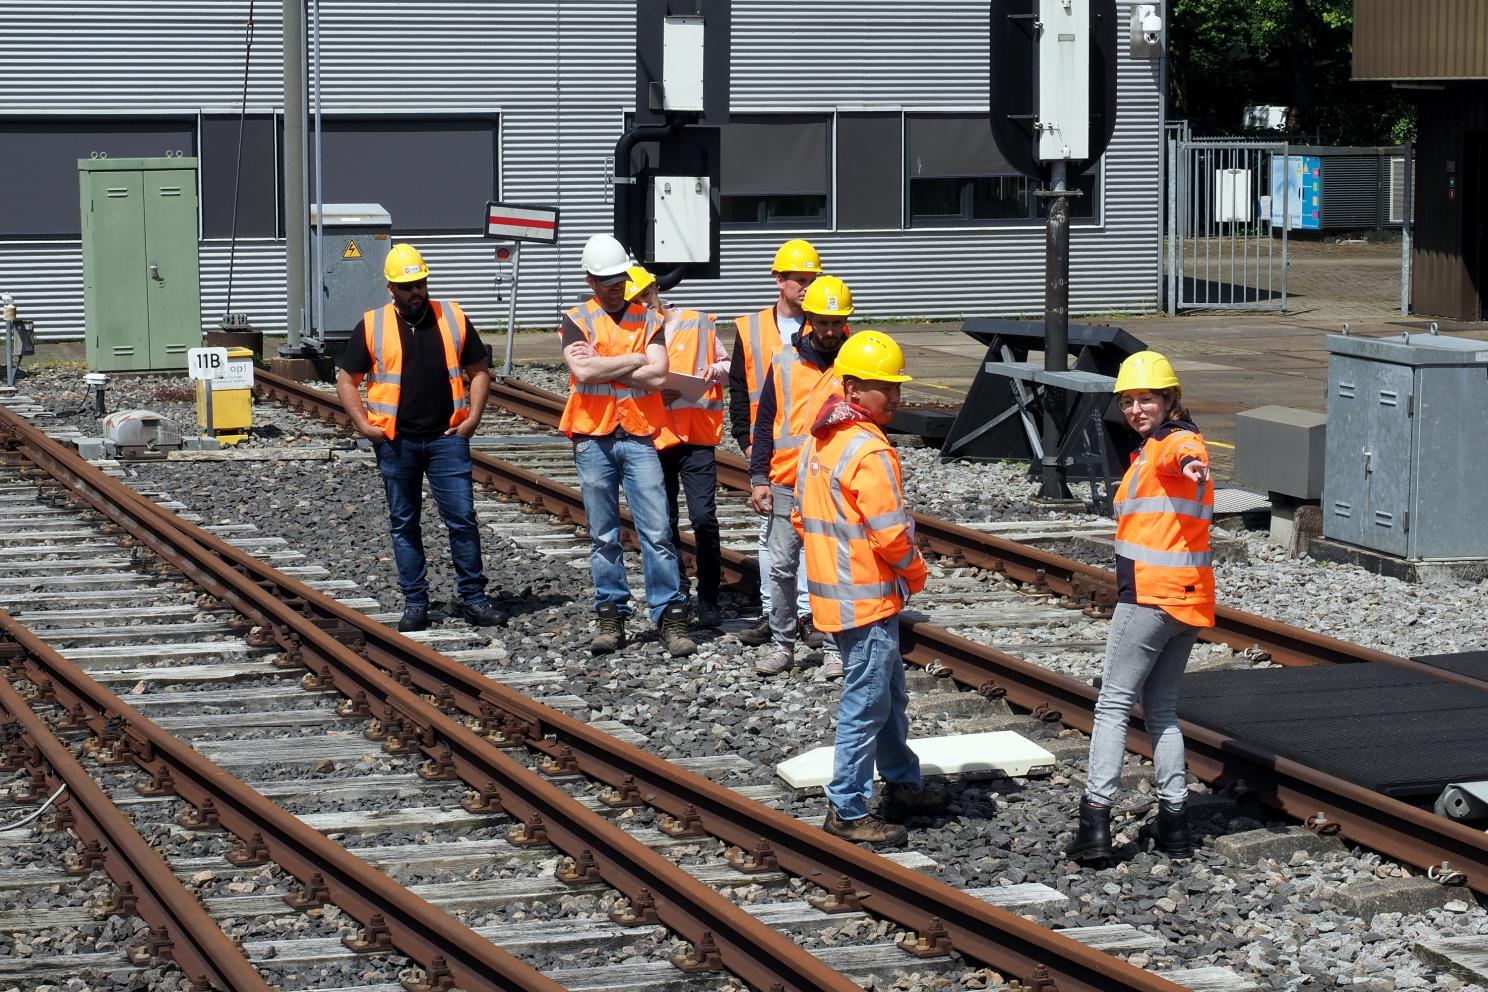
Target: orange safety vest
<point x="1162" y="529"/>
<point x="700" y="421"/>
<point x="761" y="337"/>
<point x="600" y="407"/>
<point x="856" y="529"/>
<point x="385" y="380"/>
<point x="808" y="388"/>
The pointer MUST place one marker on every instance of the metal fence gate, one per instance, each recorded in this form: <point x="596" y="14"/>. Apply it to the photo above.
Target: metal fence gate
<point x="1228" y="204"/>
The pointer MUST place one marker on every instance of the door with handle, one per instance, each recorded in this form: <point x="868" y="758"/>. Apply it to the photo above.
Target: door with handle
<point x="172" y="280"/>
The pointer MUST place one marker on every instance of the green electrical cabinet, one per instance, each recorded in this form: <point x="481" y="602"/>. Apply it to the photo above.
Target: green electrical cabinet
<point x="141" y="280"/>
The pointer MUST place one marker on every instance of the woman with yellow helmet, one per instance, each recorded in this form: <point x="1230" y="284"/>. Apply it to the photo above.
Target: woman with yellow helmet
<point x="1165" y="595"/>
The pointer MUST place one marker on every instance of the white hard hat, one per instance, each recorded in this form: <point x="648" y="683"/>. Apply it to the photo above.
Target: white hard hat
<point x="605" y="258"/>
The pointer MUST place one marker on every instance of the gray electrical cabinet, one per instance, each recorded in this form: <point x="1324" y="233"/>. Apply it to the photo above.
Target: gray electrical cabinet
<point x="1406" y="472"/>
<point x="353" y="252"/>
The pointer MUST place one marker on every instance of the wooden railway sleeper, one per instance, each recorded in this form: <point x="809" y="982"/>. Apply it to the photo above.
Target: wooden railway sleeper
<point x="638" y="911"/>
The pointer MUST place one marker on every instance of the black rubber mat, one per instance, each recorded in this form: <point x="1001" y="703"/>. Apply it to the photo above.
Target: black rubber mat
<point x="1474" y="663"/>
<point x="1403" y="734"/>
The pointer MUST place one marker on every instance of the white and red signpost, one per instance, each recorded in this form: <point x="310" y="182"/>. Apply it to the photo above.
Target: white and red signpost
<point x="518" y="222"/>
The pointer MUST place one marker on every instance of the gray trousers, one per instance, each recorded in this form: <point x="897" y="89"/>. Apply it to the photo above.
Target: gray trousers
<point x="1146" y="652"/>
<point x="786" y="564"/>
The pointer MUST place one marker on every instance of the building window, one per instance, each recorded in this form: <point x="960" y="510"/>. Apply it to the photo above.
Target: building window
<point x="775" y="171"/>
<point x="434" y="175"/>
<point x="259" y="205"/>
<point x="39" y="172"/>
<point x="870" y="178"/>
<point x="957" y="176"/>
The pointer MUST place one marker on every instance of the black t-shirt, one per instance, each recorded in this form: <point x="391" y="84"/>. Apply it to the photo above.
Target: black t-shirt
<point x="424" y="405"/>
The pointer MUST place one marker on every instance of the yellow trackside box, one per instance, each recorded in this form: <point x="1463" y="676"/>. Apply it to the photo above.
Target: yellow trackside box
<point x="232" y="397"/>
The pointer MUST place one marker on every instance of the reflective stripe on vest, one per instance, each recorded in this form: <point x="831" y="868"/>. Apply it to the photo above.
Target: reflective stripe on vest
<point x="800" y="390"/>
<point x="599" y="408"/>
<point x="385" y="380"/>
<point x="762" y="339"/>
<point x="692" y="344"/>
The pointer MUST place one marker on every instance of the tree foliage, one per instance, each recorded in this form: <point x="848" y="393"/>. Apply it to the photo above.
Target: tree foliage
<point x="1226" y="55"/>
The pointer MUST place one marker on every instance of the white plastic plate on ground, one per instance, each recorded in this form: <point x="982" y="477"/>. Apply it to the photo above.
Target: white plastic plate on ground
<point x="1001" y="752"/>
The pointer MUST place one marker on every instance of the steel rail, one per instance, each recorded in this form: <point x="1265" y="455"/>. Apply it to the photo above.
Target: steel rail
<point x="1389" y="826"/>
<point x="181" y="929"/>
<point x="723" y="935"/>
<point x="1286" y="644"/>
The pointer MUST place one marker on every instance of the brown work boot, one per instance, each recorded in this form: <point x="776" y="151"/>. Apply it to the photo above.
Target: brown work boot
<point x="674" y="624"/>
<point x="872" y="830"/>
<point x="903" y="800"/>
<point x="609" y="635"/>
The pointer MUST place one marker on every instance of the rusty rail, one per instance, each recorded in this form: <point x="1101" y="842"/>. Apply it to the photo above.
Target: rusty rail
<point x="316" y="633"/>
<point x="181" y="929"/>
<point x="1387" y="825"/>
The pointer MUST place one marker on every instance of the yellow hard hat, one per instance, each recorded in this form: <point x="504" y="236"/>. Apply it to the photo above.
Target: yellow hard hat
<point x="637" y="278"/>
<point x="1146" y="370"/>
<point x="796" y="255"/>
<point x="828" y="296"/>
<point x="871" y="355"/>
<point x="404" y="264"/>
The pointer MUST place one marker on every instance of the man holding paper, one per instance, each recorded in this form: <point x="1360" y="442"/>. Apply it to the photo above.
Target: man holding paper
<point x="690" y="431"/>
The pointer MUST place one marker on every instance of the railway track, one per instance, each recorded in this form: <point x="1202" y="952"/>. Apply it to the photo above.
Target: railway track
<point x="98" y="554"/>
<point x="1324" y="802"/>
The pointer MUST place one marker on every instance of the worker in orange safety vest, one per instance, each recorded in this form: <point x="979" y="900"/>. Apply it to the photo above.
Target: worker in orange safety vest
<point x="1165" y="596"/>
<point x="690" y="431"/>
<point x="760" y="335"/>
<point x="788" y="399"/>
<point x="861" y="567"/>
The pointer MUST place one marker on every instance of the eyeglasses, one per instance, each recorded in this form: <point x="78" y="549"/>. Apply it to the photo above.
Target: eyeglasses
<point x="1126" y="403"/>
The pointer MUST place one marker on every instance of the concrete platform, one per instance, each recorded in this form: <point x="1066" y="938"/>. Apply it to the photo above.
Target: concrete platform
<point x="996" y="753"/>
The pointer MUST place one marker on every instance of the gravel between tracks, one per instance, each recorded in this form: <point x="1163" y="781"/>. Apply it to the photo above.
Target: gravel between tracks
<point x="1273" y="921"/>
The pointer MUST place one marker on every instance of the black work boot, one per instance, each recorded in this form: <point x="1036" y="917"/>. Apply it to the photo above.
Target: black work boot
<point x="415" y="617"/>
<point x="807" y="633"/>
<point x="1170" y="833"/>
<point x="756" y="633"/>
<point x="482" y="614"/>
<point x="675" y="620"/>
<point x="1093" y="841"/>
<point x="609" y="635"/>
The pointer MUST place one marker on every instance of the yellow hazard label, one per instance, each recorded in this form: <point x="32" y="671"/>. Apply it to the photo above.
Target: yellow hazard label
<point x="352" y="251"/>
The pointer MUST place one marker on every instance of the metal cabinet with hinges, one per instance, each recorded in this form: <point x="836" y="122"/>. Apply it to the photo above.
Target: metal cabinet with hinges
<point x="141" y="274"/>
<point x="1405" y="469"/>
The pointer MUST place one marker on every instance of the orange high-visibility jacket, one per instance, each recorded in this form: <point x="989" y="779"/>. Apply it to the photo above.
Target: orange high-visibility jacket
<point x="857" y="531"/>
<point x="1162" y="528"/>
<point x="385" y="380"/>
<point x="600" y="407"/>
<point x="760" y="336"/>
<point x="800" y="391"/>
<point x="691" y="349"/>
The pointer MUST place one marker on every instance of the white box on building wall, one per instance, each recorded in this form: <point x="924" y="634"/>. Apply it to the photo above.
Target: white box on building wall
<point x="682" y="63"/>
<point x="682" y="209"/>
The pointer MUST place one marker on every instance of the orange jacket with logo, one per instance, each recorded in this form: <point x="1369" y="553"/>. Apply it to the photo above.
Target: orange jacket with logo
<point x="385" y="380"/>
<point x="693" y="343"/>
<point x="861" y="559"/>
<point x="1162" y="528"/>
<point x="600" y="407"/>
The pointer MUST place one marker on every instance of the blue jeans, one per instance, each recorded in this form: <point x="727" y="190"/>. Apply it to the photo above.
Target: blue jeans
<point x="1146" y="652"/>
<point x="445" y="461"/>
<point x="872" y="723"/>
<point x="605" y="464"/>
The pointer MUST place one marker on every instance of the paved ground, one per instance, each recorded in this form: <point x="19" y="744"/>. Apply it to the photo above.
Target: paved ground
<point x="1228" y="362"/>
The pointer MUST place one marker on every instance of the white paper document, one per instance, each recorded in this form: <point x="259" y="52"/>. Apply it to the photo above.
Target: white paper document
<point x="690" y="386"/>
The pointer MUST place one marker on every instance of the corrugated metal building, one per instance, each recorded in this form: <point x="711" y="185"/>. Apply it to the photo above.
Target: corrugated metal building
<point x="1437" y="51"/>
<point x="419" y="99"/>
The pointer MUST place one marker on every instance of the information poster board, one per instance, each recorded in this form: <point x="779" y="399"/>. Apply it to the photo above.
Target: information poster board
<point x="1297" y="181"/>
